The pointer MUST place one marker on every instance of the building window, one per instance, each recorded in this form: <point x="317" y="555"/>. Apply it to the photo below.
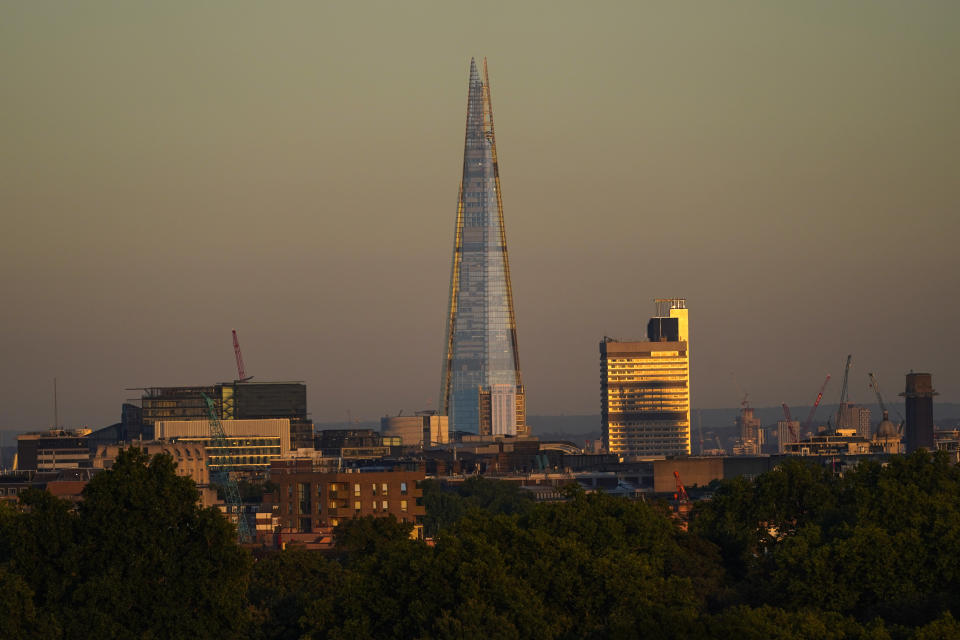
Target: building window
<point x="403" y="488"/>
<point x="333" y="504"/>
<point x="373" y="505"/>
<point x="356" y="506"/>
<point x="385" y="507"/>
<point x="334" y="522"/>
<point x="383" y="488"/>
<point x="356" y="489"/>
<point x="305" y="525"/>
<point x="403" y="506"/>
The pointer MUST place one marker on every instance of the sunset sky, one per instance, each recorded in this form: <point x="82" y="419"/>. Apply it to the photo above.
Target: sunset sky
<point x="172" y="170"/>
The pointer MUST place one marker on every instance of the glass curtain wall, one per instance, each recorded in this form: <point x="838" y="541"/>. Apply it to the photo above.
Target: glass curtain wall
<point x="481" y="345"/>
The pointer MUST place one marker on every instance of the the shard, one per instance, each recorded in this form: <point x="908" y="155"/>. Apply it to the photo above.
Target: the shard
<point x="482" y="391"/>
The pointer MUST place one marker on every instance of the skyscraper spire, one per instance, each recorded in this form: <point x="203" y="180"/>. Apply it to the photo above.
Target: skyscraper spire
<point x="482" y="390"/>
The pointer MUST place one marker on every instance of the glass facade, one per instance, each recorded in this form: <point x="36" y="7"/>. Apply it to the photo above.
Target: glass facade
<point x="481" y="349"/>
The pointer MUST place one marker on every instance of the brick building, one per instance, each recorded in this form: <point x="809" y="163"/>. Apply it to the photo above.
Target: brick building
<point x="307" y="500"/>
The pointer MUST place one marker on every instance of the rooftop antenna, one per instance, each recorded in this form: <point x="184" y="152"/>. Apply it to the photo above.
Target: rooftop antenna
<point x="56" y="410"/>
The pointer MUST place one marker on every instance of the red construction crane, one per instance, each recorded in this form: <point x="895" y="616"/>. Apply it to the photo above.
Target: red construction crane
<point x="786" y="414"/>
<point x="681" y="494"/>
<point x="241" y="371"/>
<point x="813" y="409"/>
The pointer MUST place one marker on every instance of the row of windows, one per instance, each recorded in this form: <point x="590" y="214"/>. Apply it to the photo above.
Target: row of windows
<point x="642" y="358"/>
<point x="305" y="507"/>
<point x="335" y="489"/>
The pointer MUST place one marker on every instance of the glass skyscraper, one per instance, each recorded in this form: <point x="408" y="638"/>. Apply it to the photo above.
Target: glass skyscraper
<point x="482" y="391"/>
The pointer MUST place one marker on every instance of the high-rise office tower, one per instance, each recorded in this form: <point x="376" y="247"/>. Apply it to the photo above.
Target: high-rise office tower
<point x="645" y="387"/>
<point x="919" y="405"/>
<point x="482" y="391"/>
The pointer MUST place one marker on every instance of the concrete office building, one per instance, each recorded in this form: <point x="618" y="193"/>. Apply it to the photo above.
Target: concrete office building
<point x="424" y="429"/>
<point x="238" y="400"/>
<point x="251" y="444"/>
<point x="830" y="443"/>
<point x="54" y="449"/>
<point x="919" y="406"/>
<point x="645" y="387"/>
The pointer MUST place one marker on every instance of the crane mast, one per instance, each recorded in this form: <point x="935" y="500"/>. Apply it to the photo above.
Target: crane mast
<point x="876" y="389"/>
<point x="241" y="369"/>
<point x="843" y="390"/>
<point x="786" y="414"/>
<point x="231" y="492"/>
<point x="883" y="407"/>
<point x="813" y="409"/>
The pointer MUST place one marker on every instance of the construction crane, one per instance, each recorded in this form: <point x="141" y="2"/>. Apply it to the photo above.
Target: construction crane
<point x="241" y="370"/>
<point x="786" y="414"/>
<point x="813" y="409"/>
<point x="231" y="492"/>
<point x="681" y="494"/>
<point x="883" y="407"/>
<point x="844" y="400"/>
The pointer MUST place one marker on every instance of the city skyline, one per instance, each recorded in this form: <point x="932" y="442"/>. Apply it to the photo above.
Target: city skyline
<point x="171" y="173"/>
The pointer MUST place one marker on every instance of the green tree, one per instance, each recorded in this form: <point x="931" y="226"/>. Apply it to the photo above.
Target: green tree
<point x="289" y="589"/>
<point x="366" y="534"/>
<point x="152" y="561"/>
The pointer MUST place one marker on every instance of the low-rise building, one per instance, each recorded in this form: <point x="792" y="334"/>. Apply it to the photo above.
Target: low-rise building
<point x="830" y="443"/>
<point x="53" y="449"/>
<point x="251" y="444"/>
<point x="423" y="429"/>
<point x="307" y="499"/>
<point x="190" y="457"/>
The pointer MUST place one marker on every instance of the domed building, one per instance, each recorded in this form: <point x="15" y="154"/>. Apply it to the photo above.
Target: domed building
<point x="887" y="437"/>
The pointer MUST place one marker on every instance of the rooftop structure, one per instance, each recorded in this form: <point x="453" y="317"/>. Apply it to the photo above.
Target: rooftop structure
<point x="424" y="429"/>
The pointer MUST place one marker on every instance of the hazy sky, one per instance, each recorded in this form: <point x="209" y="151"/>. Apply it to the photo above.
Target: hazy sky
<point x="172" y="170"/>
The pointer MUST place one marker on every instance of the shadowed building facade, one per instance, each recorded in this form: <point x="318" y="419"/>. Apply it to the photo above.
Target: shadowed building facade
<point x="645" y="387"/>
<point x="482" y="391"/>
<point x="919" y="405"/>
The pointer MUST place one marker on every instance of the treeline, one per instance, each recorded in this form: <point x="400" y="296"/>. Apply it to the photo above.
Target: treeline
<point x="796" y="553"/>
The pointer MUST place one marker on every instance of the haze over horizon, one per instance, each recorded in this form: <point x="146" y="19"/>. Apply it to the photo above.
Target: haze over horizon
<point x="171" y="171"/>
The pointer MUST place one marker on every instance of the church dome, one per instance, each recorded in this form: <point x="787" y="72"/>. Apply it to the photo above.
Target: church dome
<point x="887" y="430"/>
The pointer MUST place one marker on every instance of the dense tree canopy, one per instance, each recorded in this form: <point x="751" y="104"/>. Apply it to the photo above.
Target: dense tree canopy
<point x="137" y="558"/>
<point x="796" y="553"/>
